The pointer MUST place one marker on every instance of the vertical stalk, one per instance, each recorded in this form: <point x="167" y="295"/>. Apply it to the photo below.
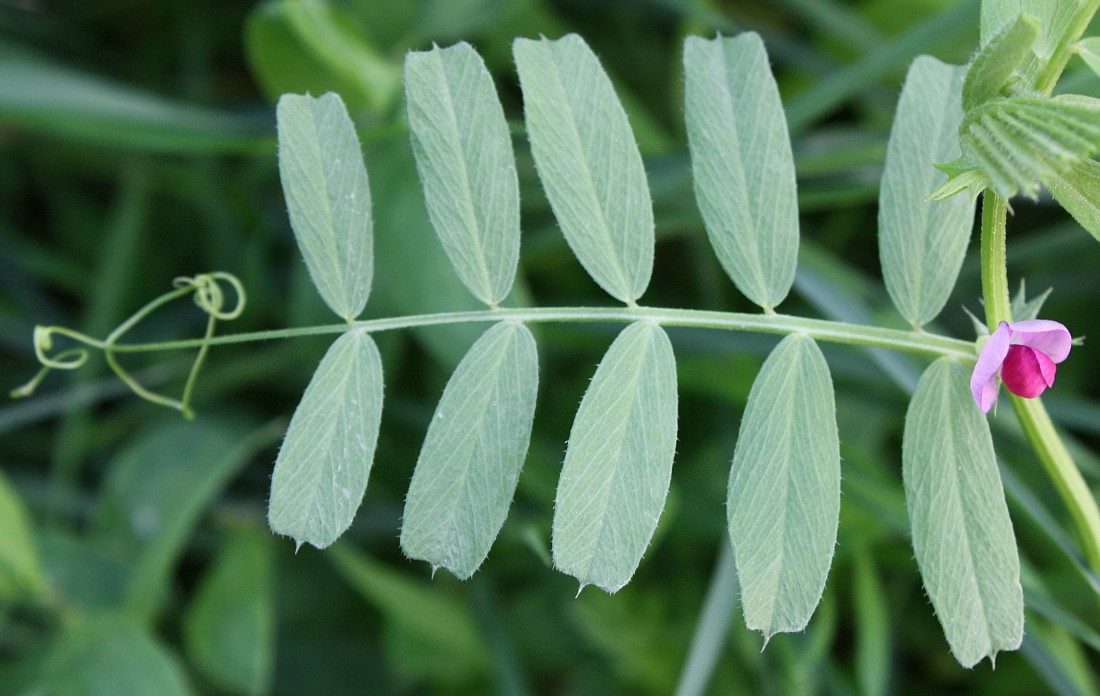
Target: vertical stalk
<point x="713" y="626"/>
<point x="1036" y="423"/>
<point x="995" y="295"/>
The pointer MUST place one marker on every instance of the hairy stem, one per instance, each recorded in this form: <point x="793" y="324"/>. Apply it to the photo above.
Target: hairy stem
<point x="921" y="343"/>
<point x="1036" y="423"/>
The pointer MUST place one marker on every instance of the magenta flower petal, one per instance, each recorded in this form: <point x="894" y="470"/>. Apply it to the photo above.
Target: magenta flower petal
<point x="1027" y="372"/>
<point x="1048" y="337"/>
<point x="983" y="383"/>
<point x="1023" y="356"/>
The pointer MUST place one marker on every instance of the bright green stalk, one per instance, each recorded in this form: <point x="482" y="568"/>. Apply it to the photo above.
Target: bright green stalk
<point x="1036" y="423"/>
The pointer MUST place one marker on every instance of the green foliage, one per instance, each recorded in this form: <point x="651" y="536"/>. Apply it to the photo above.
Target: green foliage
<point x="1078" y="190"/>
<point x="111" y="656"/>
<point x="155" y="492"/>
<point x="328" y="196"/>
<point x="1018" y="142"/>
<point x="1060" y="24"/>
<point x="922" y="242"/>
<point x="784" y="488"/>
<point x="1089" y="50"/>
<point x="20" y="568"/>
<point x="464" y="154"/>
<point x="742" y="164"/>
<point x="326" y="457"/>
<point x="40" y="95"/>
<point x="124" y="569"/>
<point x="473" y="453"/>
<point x="962" y="535"/>
<point x="873" y="639"/>
<point x="588" y="162"/>
<point x="428" y="631"/>
<point x="414" y="273"/>
<point x="1013" y="135"/>
<point x="993" y="71"/>
<point x="228" y="628"/>
<point x="298" y="45"/>
<point x="619" y="461"/>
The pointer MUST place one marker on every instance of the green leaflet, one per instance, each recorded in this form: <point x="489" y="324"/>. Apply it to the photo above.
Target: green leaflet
<point x="40" y="95"/>
<point x="1060" y="23"/>
<point x="20" y="568"/>
<point x="430" y="634"/>
<point x="742" y="164"/>
<point x="473" y="453"/>
<point x="784" y="488"/>
<point x="111" y="655"/>
<point x="962" y="534"/>
<point x="229" y="627"/>
<point x="155" y="493"/>
<point x="325" y="460"/>
<point x="588" y="162"/>
<point x="1089" y="50"/>
<point x="922" y="242"/>
<point x="619" y="461"/>
<point x="414" y="274"/>
<point x="299" y="44"/>
<point x="465" y="159"/>
<point x="994" y="68"/>
<point x="328" y="196"/>
<point x="1018" y="141"/>
<point x="1077" y="188"/>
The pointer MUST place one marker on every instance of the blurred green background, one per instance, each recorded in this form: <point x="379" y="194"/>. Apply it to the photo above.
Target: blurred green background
<point x="137" y="144"/>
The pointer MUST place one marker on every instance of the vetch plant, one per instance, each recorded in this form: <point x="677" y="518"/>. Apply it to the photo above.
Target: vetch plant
<point x="993" y="126"/>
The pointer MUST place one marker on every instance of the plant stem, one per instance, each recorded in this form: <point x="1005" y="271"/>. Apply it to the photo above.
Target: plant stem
<point x="921" y="343"/>
<point x="995" y="294"/>
<point x="1035" y="421"/>
<point x="713" y="626"/>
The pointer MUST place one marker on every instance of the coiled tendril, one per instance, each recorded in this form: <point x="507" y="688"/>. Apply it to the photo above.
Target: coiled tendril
<point x="208" y="294"/>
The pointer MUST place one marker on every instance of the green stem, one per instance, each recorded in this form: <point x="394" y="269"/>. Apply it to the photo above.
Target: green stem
<point x="995" y="295"/>
<point x="1036" y="423"/>
<point x="921" y="343"/>
<point x="713" y="626"/>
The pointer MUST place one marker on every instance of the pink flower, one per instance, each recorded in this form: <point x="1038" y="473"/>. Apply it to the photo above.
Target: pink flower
<point x="1023" y="355"/>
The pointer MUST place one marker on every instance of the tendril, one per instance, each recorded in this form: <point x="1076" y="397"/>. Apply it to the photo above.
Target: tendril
<point x="66" y="360"/>
<point x="209" y="295"/>
<point x="206" y="291"/>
